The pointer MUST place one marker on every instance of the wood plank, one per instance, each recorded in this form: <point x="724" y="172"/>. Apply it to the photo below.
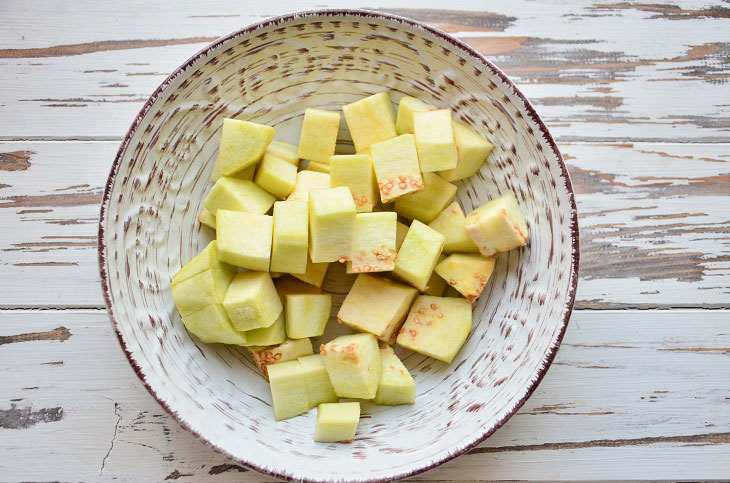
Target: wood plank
<point x="615" y="404"/>
<point x="590" y="79"/>
<point x="654" y="223"/>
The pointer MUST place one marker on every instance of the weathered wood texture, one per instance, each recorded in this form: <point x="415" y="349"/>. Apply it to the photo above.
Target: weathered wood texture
<point x="86" y="70"/>
<point x="654" y="222"/>
<point x="631" y="394"/>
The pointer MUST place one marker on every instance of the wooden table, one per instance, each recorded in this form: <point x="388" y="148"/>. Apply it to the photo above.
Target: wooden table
<point x="638" y="95"/>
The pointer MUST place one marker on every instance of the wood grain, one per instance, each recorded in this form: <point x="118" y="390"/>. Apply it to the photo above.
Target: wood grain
<point x="650" y="367"/>
<point x="589" y="78"/>
<point x="653" y="218"/>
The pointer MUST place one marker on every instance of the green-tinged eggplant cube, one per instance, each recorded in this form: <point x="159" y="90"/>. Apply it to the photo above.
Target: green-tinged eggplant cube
<point x="244" y="239"/>
<point x="290" y="243"/>
<point x="207" y="218"/>
<point x="307" y="314"/>
<point x="308" y="181"/>
<point x="497" y="226"/>
<point x="406" y="107"/>
<point x="331" y="225"/>
<point x="353" y="364"/>
<point x="208" y="287"/>
<point x="472" y="151"/>
<point x="242" y="144"/>
<point x="283" y="150"/>
<point x="418" y="255"/>
<point x="238" y="195"/>
<point x="467" y="273"/>
<point x="276" y="176"/>
<point x="356" y="172"/>
<point x="337" y="422"/>
<point x="271" y="335"/>
<point x="252" y="302"/>
<point x="370" y="120"/>
<point x="396" y="384"/>
<point x="436" y="284"/>
<point x="451" y="223"/>
<point x="288" y="390"/>
<point x="212" y="325"/>
<point x="377" y="305"/>
<point x="374" y="248"/>
<point x="319" y="387"/>
<point x="396" y="167"/>
<point x="426" y="204"/>
<point x="436" y="327"/>
<point x="318" y="137"/>
<point x="435" y="140"/>
<point x="205" y="260"/>
<point x="289" y="350"/>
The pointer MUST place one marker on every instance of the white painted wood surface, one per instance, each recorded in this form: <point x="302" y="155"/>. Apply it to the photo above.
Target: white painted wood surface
<point x="637" y="93"/>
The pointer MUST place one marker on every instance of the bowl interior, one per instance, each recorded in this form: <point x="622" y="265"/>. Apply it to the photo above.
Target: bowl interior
<point x="270" y="73"/>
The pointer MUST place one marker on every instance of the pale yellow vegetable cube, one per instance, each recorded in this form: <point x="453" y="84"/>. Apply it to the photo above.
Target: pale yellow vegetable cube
<point x="319" y="135"/>
<point x="207" y="218"/>
<point x="471" y="149"/>
<point x="252" y="302"/>
<point x="319" y="386"/>
<point x="290" y="247"/>
<point x="374" y="248"/>
<point x="396" y="167"/>
<point x="425" y="205"/>
<point x="212" y="325"/>
<point x="356" y="172"/>
<point x="288" y="390"/>
<point x="276" y="176"/>
<point x="370" y="120"/>
<point x="201" y="290"/>
<point x="451" y="224"/>
<point x="418" y="255"/>
<point x="337" y="422"/>
<point x="271" y="335"/>
<point x="242" y="144"/>
<point x="435" y="140"/>
<point x="436" y="327"/>
<point x="406" y="107"/>
<point x="238" y="195"/>
<point x="467" y="273"/>
<point x="244" y="239"/>
<point x="331" y="225"/>
<point x="497" y="226"/>
<point x="308" y="181"/>
<point x="284" y="150"/>
<point x="307" y="314"/>
<point x="396" y="384"/>
<point x="205" y="260"/>
<point x="353" y="364"/>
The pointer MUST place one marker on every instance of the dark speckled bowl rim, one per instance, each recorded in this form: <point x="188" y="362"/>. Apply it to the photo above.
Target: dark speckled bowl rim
<point x="547" y="361"/>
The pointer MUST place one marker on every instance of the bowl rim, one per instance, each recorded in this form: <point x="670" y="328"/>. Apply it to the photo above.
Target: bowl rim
<point x="458" y="44"/>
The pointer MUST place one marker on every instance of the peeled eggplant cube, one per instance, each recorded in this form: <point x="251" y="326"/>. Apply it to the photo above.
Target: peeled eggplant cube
<point x="238" y="195"/>
<point x="418" y="255"/>
<point x="201" y="290"/>
<point x="497" y="226"/>
<point x="205" y="260"/>
<point x="288" y="390"/>
<point x="337" y="422"/>
<point x="436" y="327"/>
<point x="467" y="273"/>
<point x="426" y="204"/>
<point x="356" y="172"/>
<point x="435" y="140"/>
<point x="290" y="243"/>
<point x="212" y="325"/>
<point x="396" y="385"/>
<point x="319" y="387"/>
<point x="289" y="350"/>
<point x="407" y="106"/>
<point x="252" y="302"/>
<point x="308" y="181"/>
<point x="242" y="144"/>
<point x="307" y="314"/>
<point x="271" y="335"/>
<point x="472" y="151"/>
<point x="370" y="120"/>
<point x="353" y="364"/>
<point x="318" y="136"/>
<point x="396" y="167"/>
<point x="451" y="223"/>
<point x="276" y="176"/>
<point x="283" y="150"/>
<point x="382" y="318"/>
<point x="374" y="246"/>
<point x="244" y="239"/>
<point x="331" y="225"/>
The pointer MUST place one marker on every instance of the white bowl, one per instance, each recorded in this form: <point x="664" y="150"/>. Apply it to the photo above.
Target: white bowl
<point x="269" y="73"/>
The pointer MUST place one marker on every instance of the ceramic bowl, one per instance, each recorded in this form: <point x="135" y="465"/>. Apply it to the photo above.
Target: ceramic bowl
<point x="269" y="73"/>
